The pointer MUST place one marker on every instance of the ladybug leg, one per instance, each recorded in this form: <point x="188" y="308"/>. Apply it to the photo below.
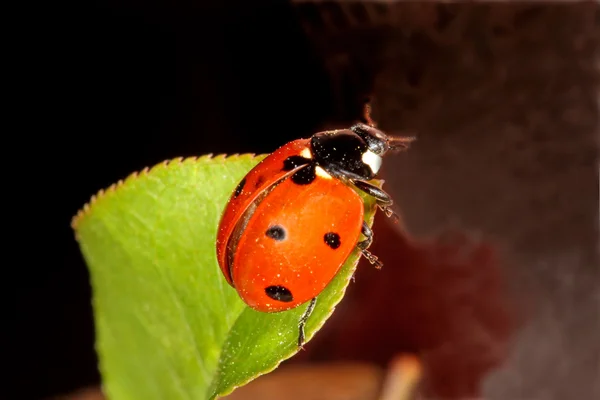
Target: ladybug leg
<point x="364" y="245"/>
<point x="384" y="201"/>
<point x="303" y="319"/>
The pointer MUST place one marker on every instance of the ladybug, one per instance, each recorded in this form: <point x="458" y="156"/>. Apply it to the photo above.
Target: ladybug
<point x="294" y="219"/>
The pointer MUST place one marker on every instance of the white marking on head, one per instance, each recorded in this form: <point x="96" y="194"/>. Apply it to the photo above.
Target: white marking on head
<point x="320" y="172"/>
<point x="372" y="160"/>
<point x="306" y="153"/>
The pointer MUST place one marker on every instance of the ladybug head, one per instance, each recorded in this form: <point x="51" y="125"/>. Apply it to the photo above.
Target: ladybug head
<point x="356" y="152"/>
<point x="378" y="142"/>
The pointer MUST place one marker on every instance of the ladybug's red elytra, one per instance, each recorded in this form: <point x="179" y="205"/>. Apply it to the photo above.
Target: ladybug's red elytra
<point x="294" y="219"/>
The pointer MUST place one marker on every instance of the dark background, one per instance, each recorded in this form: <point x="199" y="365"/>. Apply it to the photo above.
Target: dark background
<point x="127" y="85"/>
<point x="505" y="108"/>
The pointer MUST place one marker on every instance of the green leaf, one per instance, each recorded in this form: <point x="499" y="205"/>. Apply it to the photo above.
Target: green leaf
<point x="168" y="324"/>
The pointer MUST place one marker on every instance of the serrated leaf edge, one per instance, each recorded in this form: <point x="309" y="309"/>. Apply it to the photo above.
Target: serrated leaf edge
<point x="114" y="188"/>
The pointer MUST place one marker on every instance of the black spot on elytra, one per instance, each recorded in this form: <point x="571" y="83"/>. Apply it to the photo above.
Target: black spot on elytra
<point x="332" y="240"/>
<point x="293" y="162"/>
<point x="239" y="188"/>
<point x="276" y="232"/>
<point x="305" y="176"/>
<point x="279" y="293"/>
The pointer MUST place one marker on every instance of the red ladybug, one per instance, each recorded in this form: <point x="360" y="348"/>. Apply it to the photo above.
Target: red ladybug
<point x="294" y="219"/>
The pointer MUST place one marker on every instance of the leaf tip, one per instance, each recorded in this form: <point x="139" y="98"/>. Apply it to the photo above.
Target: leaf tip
<point x="103" y="193"/>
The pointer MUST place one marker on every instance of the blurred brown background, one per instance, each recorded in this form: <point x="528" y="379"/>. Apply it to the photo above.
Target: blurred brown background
<point x="504" y="100"/>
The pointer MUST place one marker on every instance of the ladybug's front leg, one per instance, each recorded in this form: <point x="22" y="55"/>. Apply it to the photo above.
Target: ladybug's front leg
<point x="364" y="245"/>
<point x="303" y="319"/>
<point x="384" y="201"/>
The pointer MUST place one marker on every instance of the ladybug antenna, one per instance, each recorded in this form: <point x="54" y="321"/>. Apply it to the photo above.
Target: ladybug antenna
<point x="367" y="115"/>
<point x="400" y="142"/>
<point x="392" y="142"/>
